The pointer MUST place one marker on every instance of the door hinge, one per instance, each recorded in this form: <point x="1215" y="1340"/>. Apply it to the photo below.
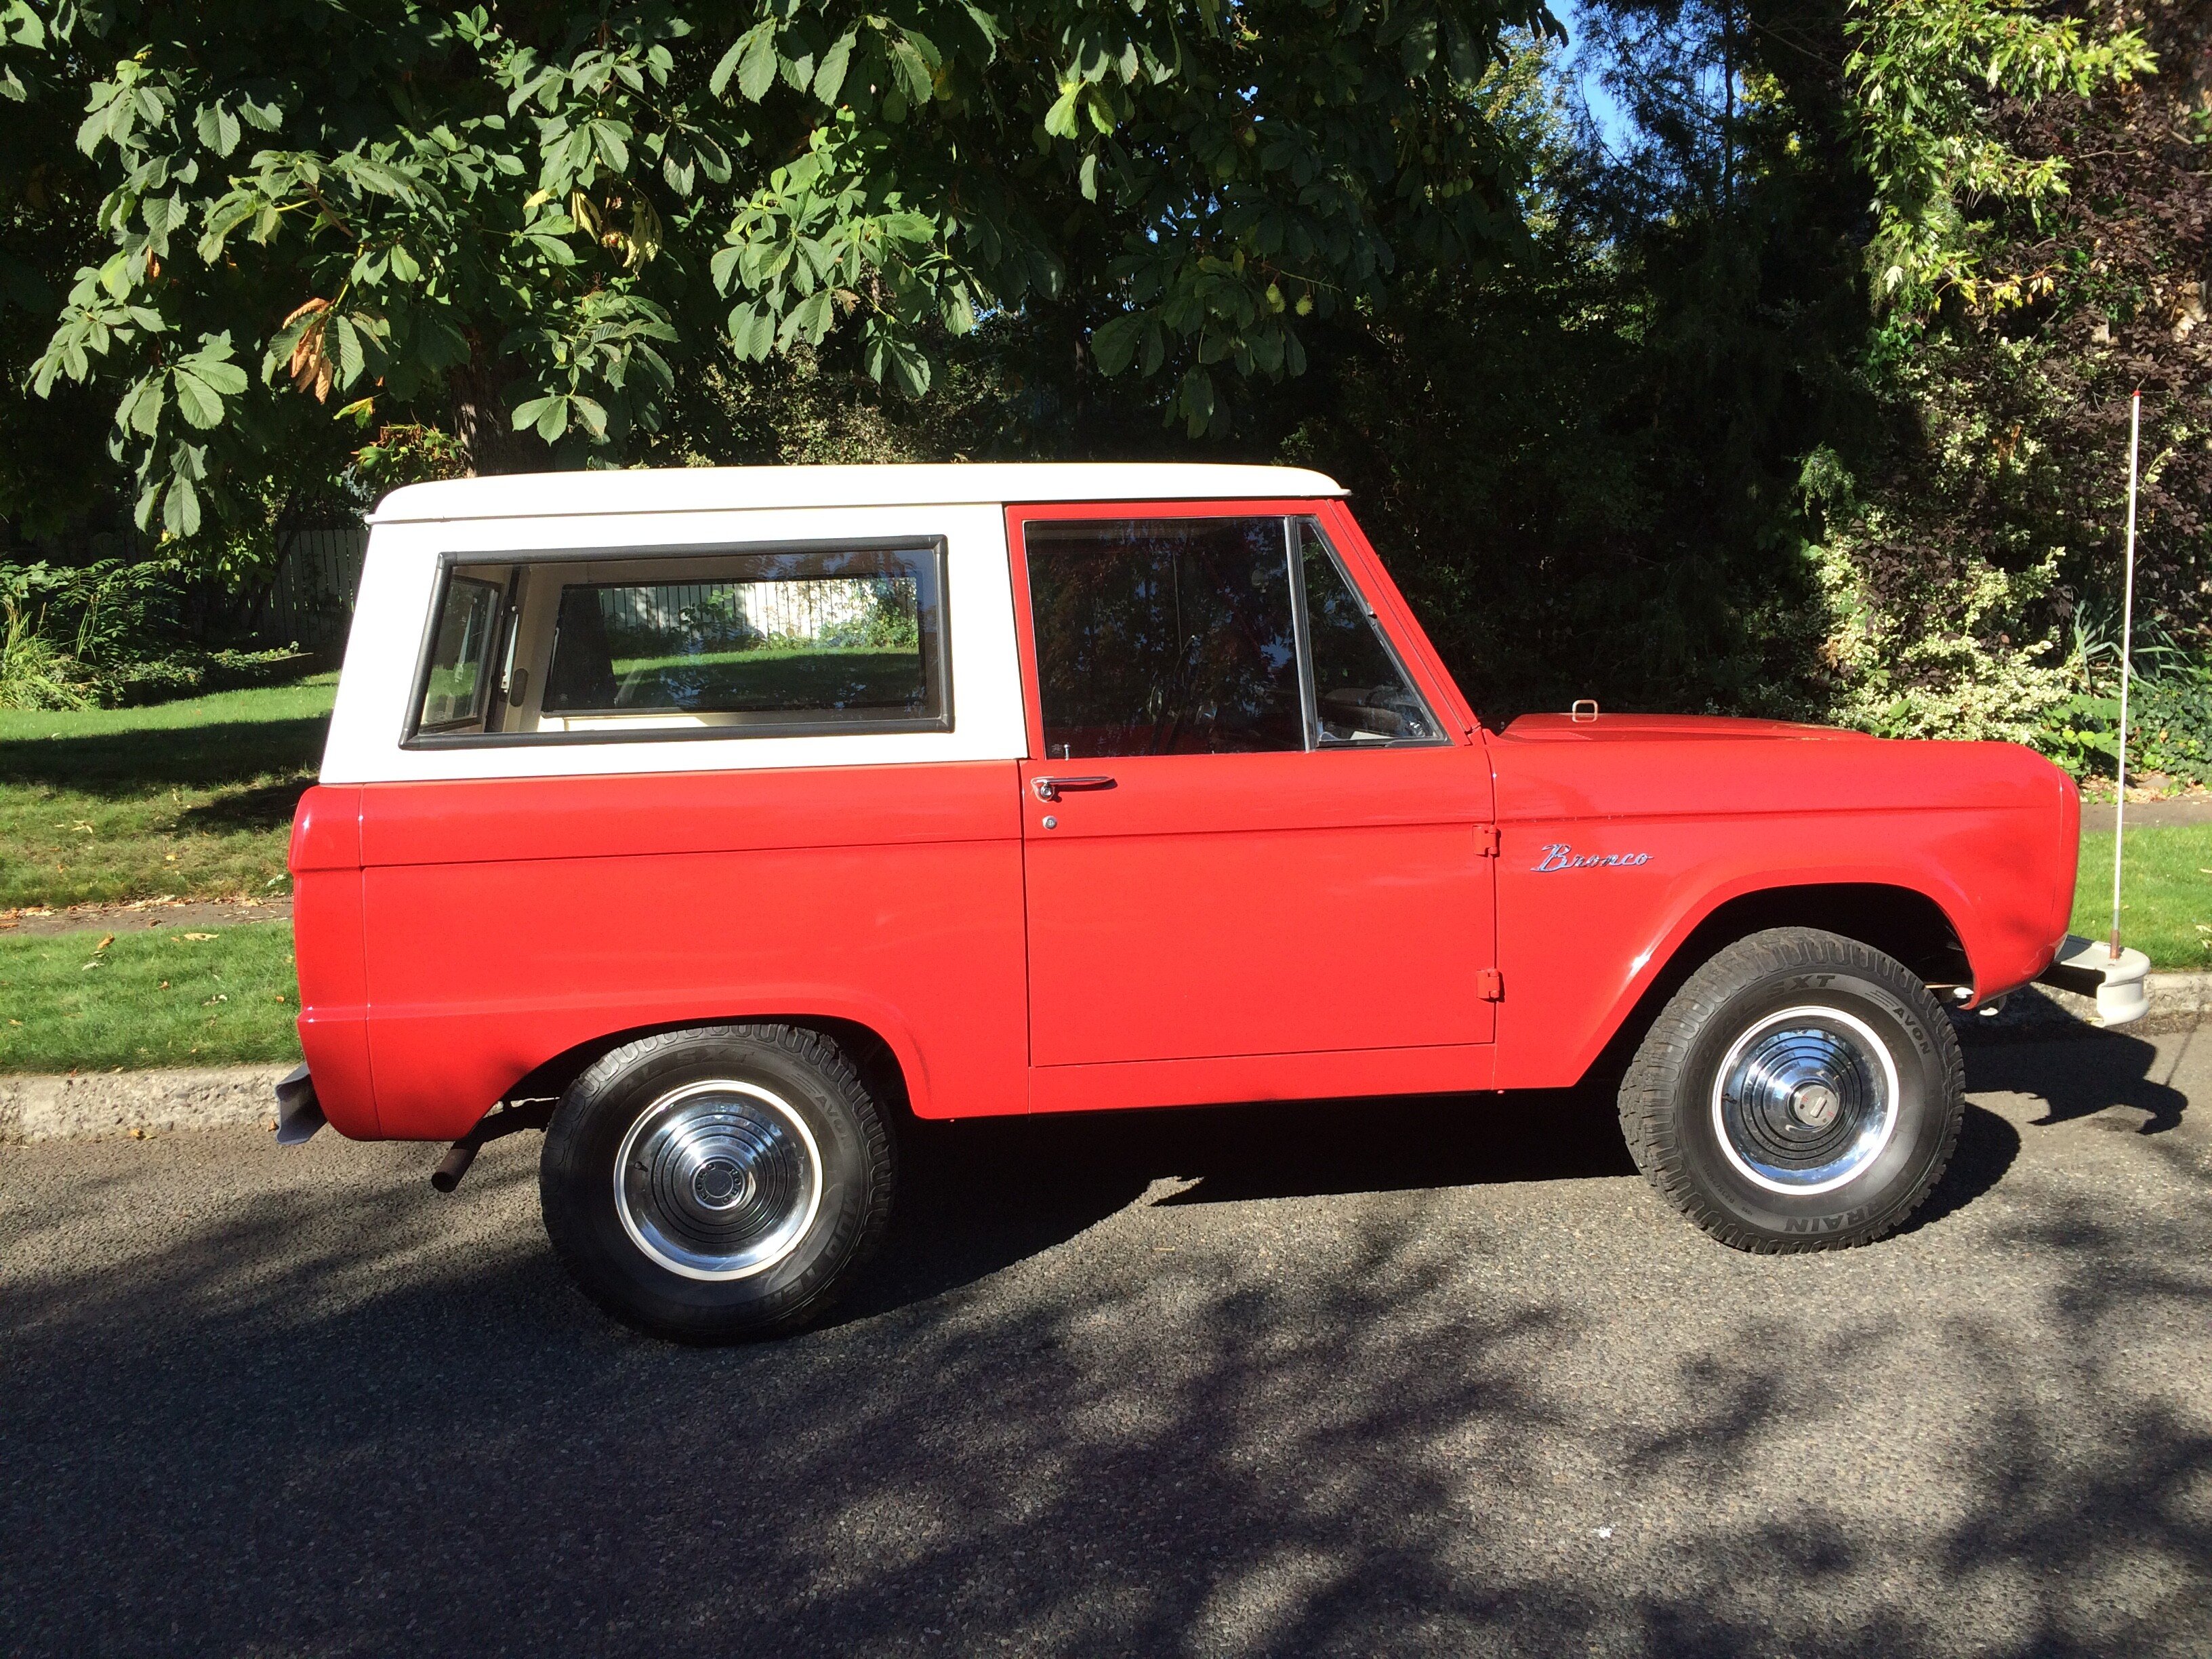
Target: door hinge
<point x="1490" y="985"/>
<point x="1486" y="840"/>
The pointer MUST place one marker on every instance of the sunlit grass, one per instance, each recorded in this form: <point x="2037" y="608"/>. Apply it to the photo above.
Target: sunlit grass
<point x="193" y="798"/>
<point x="168" y="997"/>
<point x="2165" y="893"/>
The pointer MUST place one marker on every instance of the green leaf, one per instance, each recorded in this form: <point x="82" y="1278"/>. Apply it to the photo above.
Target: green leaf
<point x="757" y="69"/>
<point x="403" y="264"/>
<point x="594" y="414"/>
<point x="528" y="414"/>
<point x="897" y="362"/>
<point x="211" y="362"/>
<point x="1114" y="343"/>
<point x="217" y="128"/>
<point x="721" y="78"/>
<point x="1196" y="401"/>
<point x="831" y="75"/>
<point x="607" y="138"/>
<point x="554" y="420"/>
<point x="809" y="319"/>
<point x="180" y="509"/>
<point x="141" y="410"/>
<point x="349" y="351"/>
<point x="1061" y="118"/>
<point x="914" y="71"/>
<point x="195" y="400"/>
<point x="752" y="331"/>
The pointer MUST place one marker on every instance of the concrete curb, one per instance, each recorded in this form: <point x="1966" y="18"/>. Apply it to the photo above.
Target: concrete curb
<point x="87" y="1107"/>
<point x="2178" y="1002"/>
<point x="36" y="1108"/>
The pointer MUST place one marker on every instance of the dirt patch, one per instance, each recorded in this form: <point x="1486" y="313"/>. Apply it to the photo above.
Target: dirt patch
<point x="143" y="914"/>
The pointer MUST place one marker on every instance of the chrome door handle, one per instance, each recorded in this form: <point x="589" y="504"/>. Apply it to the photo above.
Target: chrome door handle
<point x="1050" y="788"/>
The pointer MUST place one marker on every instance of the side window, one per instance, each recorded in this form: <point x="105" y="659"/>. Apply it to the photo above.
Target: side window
<point x="723" y="643"/>
<point x="1165" y="636"/>
<point x="1361" y="694"/>
<point x="457" y="682"/>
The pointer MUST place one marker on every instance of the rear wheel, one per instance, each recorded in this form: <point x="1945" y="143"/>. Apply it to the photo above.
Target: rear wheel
<point x="1801" y="1092"/>
<point x="718" y="1183"/>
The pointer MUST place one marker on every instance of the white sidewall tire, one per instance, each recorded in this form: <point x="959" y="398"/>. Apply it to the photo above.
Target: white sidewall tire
<point x="1670" y="1099"/>
<point x="846" y="1138"/>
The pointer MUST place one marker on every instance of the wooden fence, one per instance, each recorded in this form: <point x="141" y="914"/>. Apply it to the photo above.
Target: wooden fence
<point x="806" y="608"/>
<point x="312" y="599"/>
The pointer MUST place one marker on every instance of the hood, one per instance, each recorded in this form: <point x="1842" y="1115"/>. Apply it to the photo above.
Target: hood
<point x="1629" y="728"/>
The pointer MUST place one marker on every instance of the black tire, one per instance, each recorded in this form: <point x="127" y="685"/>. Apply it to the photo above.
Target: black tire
<point x="808" y="1168"/>
<point x="1795" y="1003"/>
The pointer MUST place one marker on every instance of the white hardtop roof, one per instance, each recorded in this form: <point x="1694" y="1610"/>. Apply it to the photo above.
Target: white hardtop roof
<point x="727" y="488"/>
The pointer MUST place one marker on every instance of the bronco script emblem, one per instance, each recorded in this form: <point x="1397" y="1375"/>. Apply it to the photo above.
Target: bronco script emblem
<point x="1558" y="855"/>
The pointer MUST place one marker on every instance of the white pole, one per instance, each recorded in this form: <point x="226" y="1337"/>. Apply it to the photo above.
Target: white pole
<point x="2127" y="661"/>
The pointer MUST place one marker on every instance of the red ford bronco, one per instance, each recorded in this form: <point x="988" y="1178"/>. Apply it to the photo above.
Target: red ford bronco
<point x="736" y="813"/>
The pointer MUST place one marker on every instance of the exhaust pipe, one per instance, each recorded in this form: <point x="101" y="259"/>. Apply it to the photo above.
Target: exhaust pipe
<point x="455" y="1164"/>
<point x="508" y="1118"/>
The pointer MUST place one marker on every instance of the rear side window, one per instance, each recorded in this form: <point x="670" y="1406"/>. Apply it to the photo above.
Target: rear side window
<point x="719" y="643"/>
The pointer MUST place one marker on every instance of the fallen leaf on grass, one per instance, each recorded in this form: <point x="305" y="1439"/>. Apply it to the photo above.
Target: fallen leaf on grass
<point x="103" y="944"/>
<point x="212" y="1002"/>
<point x="200" y="936"/>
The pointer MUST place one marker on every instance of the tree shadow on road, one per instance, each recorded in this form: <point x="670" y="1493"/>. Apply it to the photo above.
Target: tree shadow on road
<point x="263" y="1415"/>
<point x="978" y="1196"/>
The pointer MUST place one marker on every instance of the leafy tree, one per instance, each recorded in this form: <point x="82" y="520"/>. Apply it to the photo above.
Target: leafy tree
<point x="515" y="226"/>
<point x="1925" y="74"/>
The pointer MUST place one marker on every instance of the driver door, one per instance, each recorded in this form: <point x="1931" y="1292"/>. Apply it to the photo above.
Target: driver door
<point x="1246" y="832"/>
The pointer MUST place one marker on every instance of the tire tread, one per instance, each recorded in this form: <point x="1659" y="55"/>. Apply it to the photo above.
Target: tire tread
<point x="812" y="1048"/>
<point x="1648" y="1092"/>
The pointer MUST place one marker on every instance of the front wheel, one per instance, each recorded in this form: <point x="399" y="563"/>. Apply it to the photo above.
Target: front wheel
<point x="1801" y="1092"/>
<point x="717" y="1182"/>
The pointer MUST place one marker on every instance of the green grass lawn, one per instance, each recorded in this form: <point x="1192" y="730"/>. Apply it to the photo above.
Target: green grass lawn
<point x="775" y="677"/>
<point x="168" y="996"/>
<point x="2165" y="894"/>
<point x="193" y="798"/>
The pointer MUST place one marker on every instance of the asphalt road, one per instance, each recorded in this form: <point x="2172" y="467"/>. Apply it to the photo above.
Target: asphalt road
<point x="1433" y="1377"/>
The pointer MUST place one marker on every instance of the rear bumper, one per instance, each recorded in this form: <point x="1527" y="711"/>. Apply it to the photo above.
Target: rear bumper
<point x="299" y="1114"/>
<point x="2089" y="968"/>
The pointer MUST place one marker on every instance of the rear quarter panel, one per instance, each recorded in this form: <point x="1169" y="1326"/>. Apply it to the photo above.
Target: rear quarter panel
<point x="510" y="920"/>
<point x="1979" y="829"/>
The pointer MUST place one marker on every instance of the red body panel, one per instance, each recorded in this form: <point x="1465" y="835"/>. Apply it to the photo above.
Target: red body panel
<point x="1213" y="927"/>
<point x="1712" y="810"/>
<point x="327" y="942"/>
<point x="1213" y="905"/>
<point x="509" y="922"/>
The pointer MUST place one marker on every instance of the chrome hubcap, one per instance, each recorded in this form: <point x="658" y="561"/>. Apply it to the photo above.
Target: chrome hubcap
<point x="1806" y="1100"/>
<point x="718" y="1180"/>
